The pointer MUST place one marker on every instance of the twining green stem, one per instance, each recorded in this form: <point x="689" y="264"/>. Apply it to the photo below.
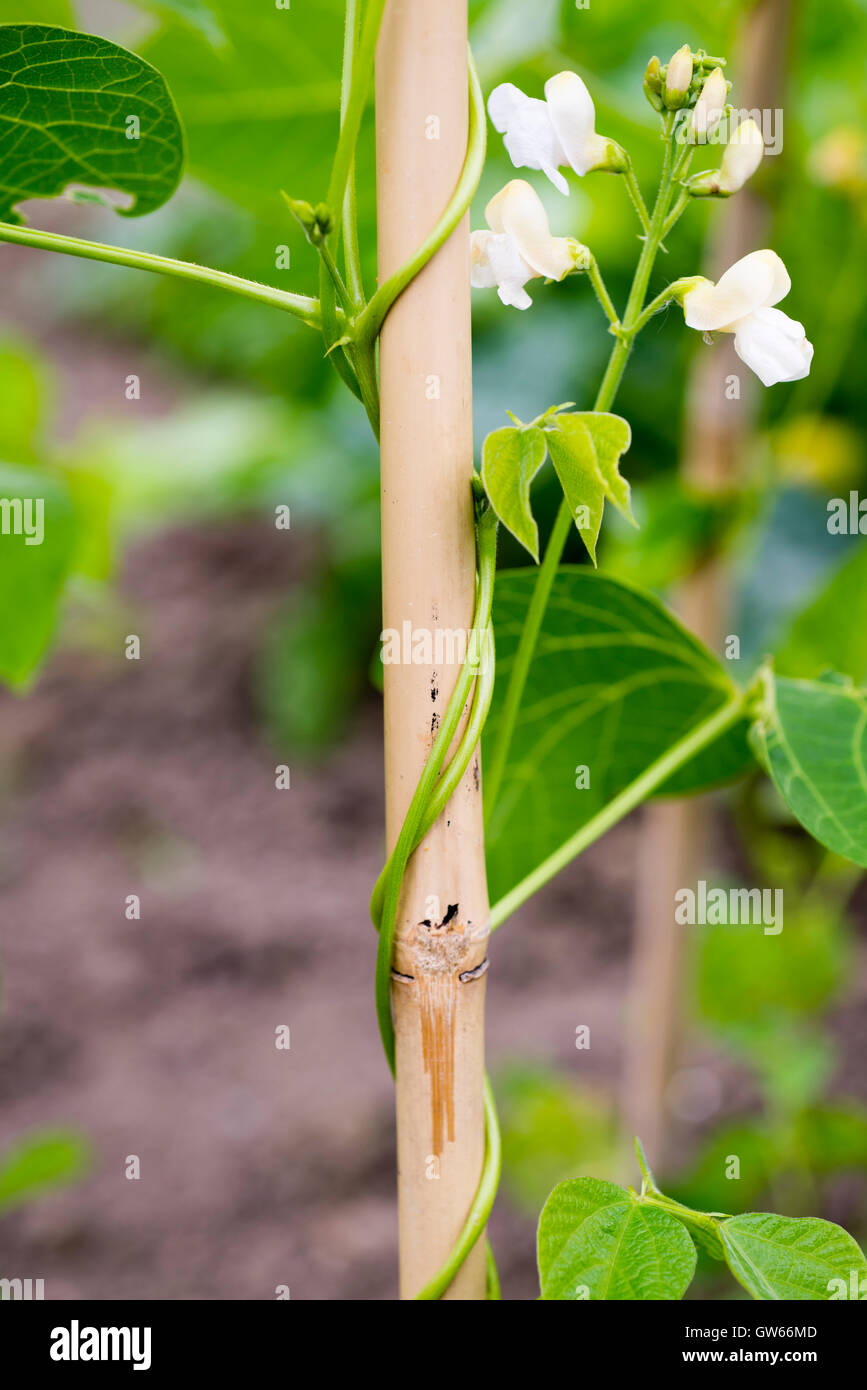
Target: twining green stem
<point x="371" y="320"/>
<point x="478" y="1215"/>
<point x="601" y="292"/>
<point x="300" y="306"/>
<point x="359" y="50"/>
<point x="496" y="767"/>
<point x="357" y="74"/>
<point x="452" y="775"/>
<point x="644" y="786"/>
<point x="351" y="251"/>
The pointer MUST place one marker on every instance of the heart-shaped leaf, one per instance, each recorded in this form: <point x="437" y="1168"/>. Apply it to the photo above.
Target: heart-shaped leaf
<point x="812" y="737"/>
<point x="783" y="1257"/>
<point x="615" y="682"/>
<point x="511" y="458"/>
<point x="596" y="1241"/>
<point x="573" y="454"/>
<point x="77" y="109"/>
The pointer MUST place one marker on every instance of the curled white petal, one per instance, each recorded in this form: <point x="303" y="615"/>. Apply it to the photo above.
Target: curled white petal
<point x="528" y="133"/>
<point x="573" y="117"/>
<point x="517" y="210"/>
<point x="774" y="346"/>
<point x="754" y="282"/>
<point x="510" y="271"/>
<point x="742" y="157"/>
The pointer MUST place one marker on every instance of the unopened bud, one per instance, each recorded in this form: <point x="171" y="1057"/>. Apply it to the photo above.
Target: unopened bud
<point x="316" y="222"/>
<point x="678" y="76"/>
<point x="709" y="107"/>
<point x="653" y="83"/>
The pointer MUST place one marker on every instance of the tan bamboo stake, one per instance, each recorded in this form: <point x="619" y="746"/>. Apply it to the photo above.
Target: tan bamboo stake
<point x="675" y="836"/>
<point x="428" y="582"/>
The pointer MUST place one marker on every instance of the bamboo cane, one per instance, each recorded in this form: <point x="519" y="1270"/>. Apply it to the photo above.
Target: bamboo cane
<point x="428" y="582"/>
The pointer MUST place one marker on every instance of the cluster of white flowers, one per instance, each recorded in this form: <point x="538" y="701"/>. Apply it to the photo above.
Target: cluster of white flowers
<point x="560" y="132"/>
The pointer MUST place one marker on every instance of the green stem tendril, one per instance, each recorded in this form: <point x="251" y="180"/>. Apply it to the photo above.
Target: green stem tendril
<point x="478" y="1214"/>
<point x="371" y="320"/>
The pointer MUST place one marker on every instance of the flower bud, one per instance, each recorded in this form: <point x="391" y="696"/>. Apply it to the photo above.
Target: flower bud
<point x="709" y="107"/>
<point x="678" y="76"/>
<point x="316" y="222"/>
<point x="741" y="159"/>
<point x="653" y="83"/>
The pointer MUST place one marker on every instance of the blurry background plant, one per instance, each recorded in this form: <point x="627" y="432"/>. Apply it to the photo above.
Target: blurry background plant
<point x="237" y="415"/>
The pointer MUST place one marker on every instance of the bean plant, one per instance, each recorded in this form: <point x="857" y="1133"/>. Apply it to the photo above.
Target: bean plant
<point x="598" y="697"/>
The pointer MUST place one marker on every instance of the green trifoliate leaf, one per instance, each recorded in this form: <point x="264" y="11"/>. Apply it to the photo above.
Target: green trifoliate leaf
<point x="511" y="458"/>
<point x="812" y="737"/>
<point x="76" y="109"/>
<point x="781" y="1257"/>
<point x="37" y="537"/>
<point x="597" y="1241"/>
<point x="611" y="437"/>
<point x="573" y="454"/>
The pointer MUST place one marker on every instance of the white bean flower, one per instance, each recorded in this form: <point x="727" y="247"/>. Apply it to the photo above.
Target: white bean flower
<point x="549" y="134"/>
<point x="772" y="345"/>
<point x="741" y="158"/>
<point x="519" y="246"/>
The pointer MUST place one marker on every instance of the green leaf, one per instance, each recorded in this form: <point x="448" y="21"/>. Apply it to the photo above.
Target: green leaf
<point x="511" y="458"/>
<point x="611" y="437"/>
<point x="67" y="103"/>
<point x="614" y="683"/>
<point x="789" y="1258"/>
<point x="573" y="454"/>
<point x="812" y="737"/>
<point x="596" y="1241"/>
<point x="262" y="112"/>
<point x="39" y="1162"/>
<point x="831" y="632"/>
<point x="31" y="575"/>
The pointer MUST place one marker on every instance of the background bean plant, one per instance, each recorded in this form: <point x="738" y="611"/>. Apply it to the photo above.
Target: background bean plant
<point x="591" y="670"/>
